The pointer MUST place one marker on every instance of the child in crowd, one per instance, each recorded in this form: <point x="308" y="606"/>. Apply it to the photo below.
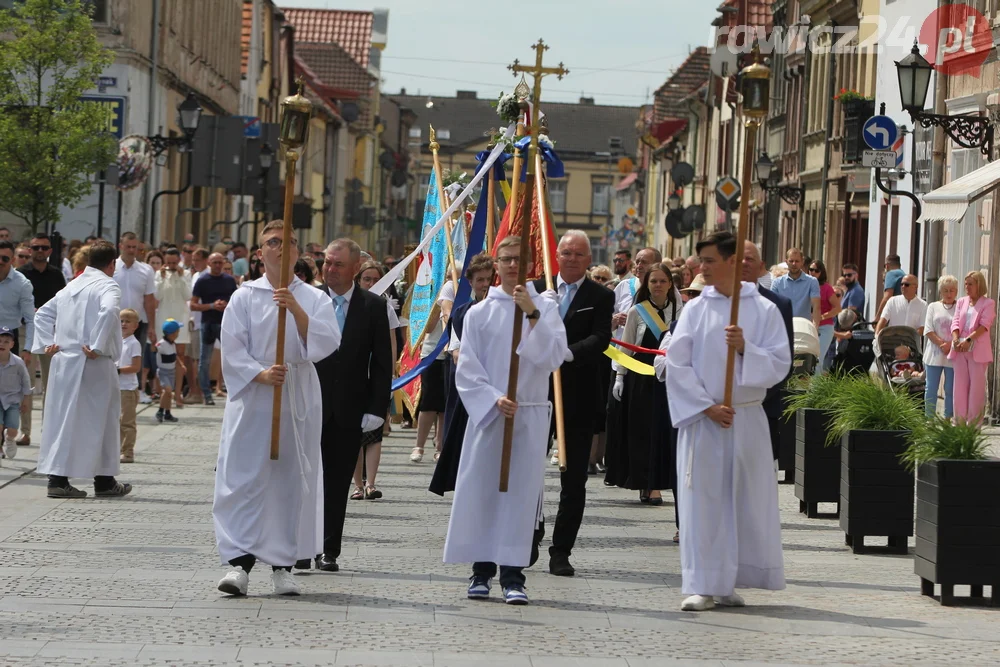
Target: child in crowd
<point x="15" y="384"/>
<point x="904" y="367"/>
<point x="128" y="381"/>
<point x="167" y="364"/>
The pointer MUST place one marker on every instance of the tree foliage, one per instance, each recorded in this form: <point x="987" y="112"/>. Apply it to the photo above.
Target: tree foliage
<point x="50" y="143"/>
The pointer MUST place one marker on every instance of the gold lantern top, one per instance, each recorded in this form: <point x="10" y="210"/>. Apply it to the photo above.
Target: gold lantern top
<point x="755" y="87"/>
<point x="296" y="112"/>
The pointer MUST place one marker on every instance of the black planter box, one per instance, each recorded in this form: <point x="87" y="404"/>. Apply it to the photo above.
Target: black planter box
<point x="958" y="527"/>
<point x="876" y="491"/>
<point x="786" y="448"/>
<point x="817" y="467"/>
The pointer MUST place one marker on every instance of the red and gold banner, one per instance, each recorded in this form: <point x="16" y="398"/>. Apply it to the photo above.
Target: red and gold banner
<point x="537" y="269"/>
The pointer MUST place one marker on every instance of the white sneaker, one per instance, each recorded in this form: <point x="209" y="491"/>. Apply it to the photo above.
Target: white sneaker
<point x="416" y="456"/>
<point x="698" y="603"/>
<point x="9" y="448"/>
<point x="554" y="460"/>
<point x="235" y="582"/>
<point x="284" y="583"/>
<point x="734" y="600"/>
<point x="145" y="398"/>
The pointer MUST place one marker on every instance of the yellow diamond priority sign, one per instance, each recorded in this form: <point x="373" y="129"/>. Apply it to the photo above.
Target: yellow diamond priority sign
<point x="728" y="188"/>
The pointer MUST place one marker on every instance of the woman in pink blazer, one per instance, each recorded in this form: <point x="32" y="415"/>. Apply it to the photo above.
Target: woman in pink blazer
<point x="971" y="351"/>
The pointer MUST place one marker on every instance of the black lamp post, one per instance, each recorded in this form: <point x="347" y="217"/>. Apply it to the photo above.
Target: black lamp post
<point x="767" y="179"/>
<point x="327" y="199"/>
<point x="914" y="75"/>
<point x="189" y="112"/>
<point x="266" y="160"/>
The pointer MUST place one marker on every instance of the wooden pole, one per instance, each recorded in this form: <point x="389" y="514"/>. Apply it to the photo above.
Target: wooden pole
<point x="557" y="395"/>
<point x="515" y="341"/>
<point x="443" y="197"/>
<point x="741" y="235"/>
<point x="515" y="183"/>
<point x="291" y="157"/>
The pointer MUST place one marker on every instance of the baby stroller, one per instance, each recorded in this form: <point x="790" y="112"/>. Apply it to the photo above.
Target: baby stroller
<point x="857" y="353"/>
<point x="909" y="372"/>
<point x="806" y="346"/>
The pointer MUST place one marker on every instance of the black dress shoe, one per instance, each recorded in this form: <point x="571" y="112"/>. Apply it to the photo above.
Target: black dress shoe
<point x="327" y="564"/>
<point x="559" y="566"/>
<point x="303" y="564"/>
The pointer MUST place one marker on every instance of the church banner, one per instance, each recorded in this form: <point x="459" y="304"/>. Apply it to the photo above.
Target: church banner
<point x="432" y="269"/>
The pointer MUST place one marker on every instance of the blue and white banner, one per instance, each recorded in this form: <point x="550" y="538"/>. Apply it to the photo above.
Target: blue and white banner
<point x="459" y="244"/>
<point x="433" y="269"/>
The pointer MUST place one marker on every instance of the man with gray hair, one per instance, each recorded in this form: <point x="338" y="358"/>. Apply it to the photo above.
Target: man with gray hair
<point x="585" y="308"/>
<point x="355" y="382"/>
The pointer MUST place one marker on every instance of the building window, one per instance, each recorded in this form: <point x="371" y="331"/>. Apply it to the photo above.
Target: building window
<point x="600" y="198"/>
<point x="557" y="196"/>
<point x="425" y="180"/>
<point x="100" y="10"/>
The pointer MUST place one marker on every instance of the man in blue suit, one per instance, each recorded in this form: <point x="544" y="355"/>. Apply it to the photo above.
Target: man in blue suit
<point x="774" y="401"/>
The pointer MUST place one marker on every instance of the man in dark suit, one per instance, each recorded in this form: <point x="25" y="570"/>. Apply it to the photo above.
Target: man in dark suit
<point x="586" y="309"/>
<point x="355" y="381"/>
<point x="774" y="403"/>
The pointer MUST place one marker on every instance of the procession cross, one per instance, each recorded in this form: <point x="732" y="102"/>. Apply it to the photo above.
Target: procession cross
<point x="538" y="72"/>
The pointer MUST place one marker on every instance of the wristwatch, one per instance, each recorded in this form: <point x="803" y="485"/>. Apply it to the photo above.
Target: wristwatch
<point x="533" y="315"/>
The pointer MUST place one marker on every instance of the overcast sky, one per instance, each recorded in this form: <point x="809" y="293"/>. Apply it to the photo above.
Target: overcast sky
<point x="617" y="52"/>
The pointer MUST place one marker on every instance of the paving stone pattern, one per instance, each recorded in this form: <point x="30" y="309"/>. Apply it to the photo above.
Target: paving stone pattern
<point x="132" y="582"/>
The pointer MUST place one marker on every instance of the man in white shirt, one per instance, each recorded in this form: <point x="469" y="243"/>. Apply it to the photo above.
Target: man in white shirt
<point x="904" y="310"/>
<point x="138" y="287"/>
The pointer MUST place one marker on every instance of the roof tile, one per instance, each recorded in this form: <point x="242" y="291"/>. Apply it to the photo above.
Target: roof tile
<point x="351" y="30"/>
<point x="245" y="33"/>
<point x="688" y="77"/>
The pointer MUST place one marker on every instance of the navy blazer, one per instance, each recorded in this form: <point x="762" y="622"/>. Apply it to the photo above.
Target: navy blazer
<point x="772" y="402"/>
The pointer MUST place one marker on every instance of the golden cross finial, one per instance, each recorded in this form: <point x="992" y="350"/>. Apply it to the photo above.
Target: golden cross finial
<point x="537" y="71"/>
<point x="433" y="144"/>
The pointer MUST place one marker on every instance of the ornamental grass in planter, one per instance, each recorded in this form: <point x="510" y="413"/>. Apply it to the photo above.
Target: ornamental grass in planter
<point x="958" y="509"/>
<point x="817" y="468"/>
<point x="874" y="422"/>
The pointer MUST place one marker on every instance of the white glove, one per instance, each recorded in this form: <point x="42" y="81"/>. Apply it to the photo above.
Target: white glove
<point x="371" y="423"/>
<point x="616" y="391"/>
<point x="569" y="356"/>
<point x="393" y="303"/>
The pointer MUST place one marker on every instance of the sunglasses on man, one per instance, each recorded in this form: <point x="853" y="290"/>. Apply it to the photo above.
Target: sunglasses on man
<point x="40" y="248"/>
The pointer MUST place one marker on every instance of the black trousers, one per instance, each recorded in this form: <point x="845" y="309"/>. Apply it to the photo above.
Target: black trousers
<point x="340" y="446"/>
<point x="573" y="493"/>
<point x="510" y="576"/>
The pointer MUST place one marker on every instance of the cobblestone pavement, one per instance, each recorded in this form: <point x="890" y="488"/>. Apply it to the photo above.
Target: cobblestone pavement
<point x="132" y="582"/>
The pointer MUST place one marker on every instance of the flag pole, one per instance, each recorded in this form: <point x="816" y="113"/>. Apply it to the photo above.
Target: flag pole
<point x="522" y="272"/>
<point x="296" y="112"/>
<point x="443" y="196"/>
<point x="557" y="394"/>
<point x="491" y="196"/>
<point x="755" y="89"/>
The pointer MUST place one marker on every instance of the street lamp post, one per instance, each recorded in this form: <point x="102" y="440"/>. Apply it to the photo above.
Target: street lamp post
<point x="189" y="112"/>
<point x="914" y="75"/>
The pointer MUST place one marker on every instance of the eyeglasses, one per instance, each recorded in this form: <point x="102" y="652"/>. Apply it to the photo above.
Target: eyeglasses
<point x="276" y="243"/>
<point x="599" y="279"/>
<point x="6" y="258"/>
<point x="23" y="256"/>
<point x="40" y="248"/>
<point x="847" y="275"/>
<point x="813" y="269"/>
<point x="507" y="261"/>
<point x="907" y="284"/>
<point x="618" y="260"/>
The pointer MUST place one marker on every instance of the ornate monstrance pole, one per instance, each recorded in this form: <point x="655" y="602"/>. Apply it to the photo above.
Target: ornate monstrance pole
<point x="756" y="88"/>
<point x="522" y="272"/>
<point x="296" y="112"/>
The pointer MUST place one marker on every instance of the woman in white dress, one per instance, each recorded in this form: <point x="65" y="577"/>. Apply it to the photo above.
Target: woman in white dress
<point x="173" y="294"/>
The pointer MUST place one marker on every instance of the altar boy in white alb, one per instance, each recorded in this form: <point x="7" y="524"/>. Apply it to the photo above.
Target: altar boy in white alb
<point x="489" y="528"/>
<point x="730" y="531"/>
<point x="264" y="509"/>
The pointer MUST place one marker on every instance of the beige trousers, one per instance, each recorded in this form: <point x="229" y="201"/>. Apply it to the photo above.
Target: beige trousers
<point x="130" y="399"/>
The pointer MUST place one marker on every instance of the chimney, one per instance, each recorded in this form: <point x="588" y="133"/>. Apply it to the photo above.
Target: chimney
<point x="465" y="95"/>
<point x="587" y="100"/>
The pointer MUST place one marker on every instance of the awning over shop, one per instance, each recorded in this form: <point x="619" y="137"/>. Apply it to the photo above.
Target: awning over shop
<point x="950" y="202"/>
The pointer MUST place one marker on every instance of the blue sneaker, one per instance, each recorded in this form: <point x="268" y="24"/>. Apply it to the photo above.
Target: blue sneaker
<point x="479" y="589"/>
<point x="515" y="595"/>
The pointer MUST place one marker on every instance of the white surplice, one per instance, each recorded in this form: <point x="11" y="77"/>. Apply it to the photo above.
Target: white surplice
<point x="80" y="426"/>
<point x="272" y="509"/>
<point x="727" y="494"/>
<point x="486" y="525"/>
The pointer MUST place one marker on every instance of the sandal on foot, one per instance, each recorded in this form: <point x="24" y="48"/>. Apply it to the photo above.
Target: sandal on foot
<point x="371" y="493"/>
<point x="417" y="455"/>
<point x="118" y="489"/>
<point x="358" y="494"/>
<point x="677" y="537"/>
